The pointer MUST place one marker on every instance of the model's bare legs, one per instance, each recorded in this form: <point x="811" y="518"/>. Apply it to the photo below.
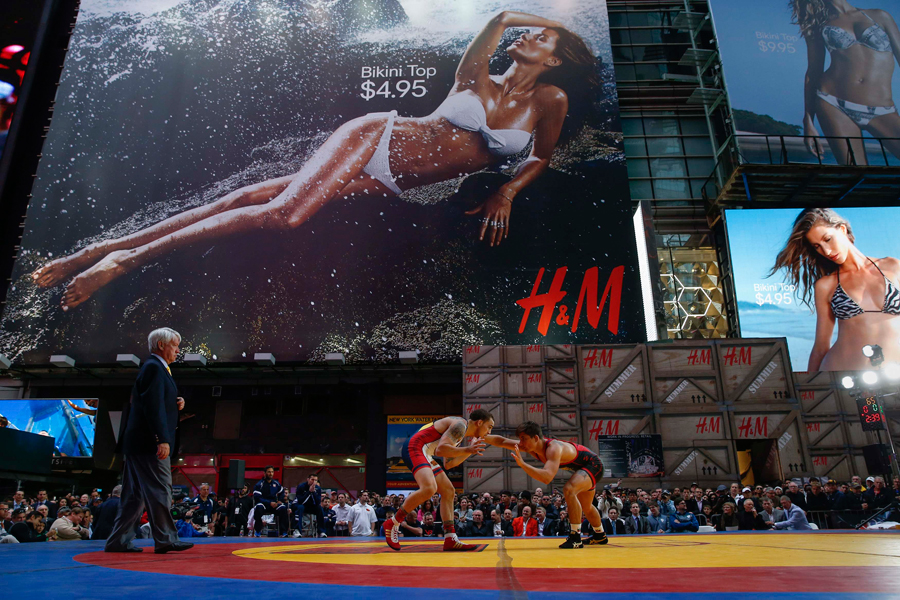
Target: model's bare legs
<point x="887" y="126"/>
<point x="331" y="170"/>
<point x="836" y="126"/>
<point x="58" y="270"/>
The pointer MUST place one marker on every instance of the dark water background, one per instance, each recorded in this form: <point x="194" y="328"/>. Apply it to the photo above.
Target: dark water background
<point x="159" y="114"/>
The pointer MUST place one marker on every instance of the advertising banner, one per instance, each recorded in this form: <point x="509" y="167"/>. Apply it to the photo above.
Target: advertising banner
<point x="631" y="455"/>
<point x="71" y="422"/>
<point x="399" y="429"/>
<point x="302" y="177"/>
<point x="806" y="68"/>
<point x="844" y="294"/>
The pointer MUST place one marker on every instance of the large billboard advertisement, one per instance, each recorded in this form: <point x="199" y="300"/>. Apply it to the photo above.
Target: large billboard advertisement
<point x="70" y="421"/>
<point x="826" y="279"/>
<point x="311" y="177"/>
<point x="808" y="68"/>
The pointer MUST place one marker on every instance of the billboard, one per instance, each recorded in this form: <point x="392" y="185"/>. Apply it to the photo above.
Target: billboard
<point x="71" y="422"/>
<point x="631" y="455"/>
<point x="19" y="23"/>
<point x="306" y="177"/>
<point x="804" y="68"/>
<point x="856" y="279"/>
<point x="399" y="429"/>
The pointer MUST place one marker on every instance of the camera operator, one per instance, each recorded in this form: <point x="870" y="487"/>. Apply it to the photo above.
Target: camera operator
<point x="270" y="497"/>
<point x="607" y="501"/>
<point x="187" y="525"/>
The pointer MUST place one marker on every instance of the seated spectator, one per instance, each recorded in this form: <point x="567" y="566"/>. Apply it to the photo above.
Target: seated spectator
<point x="189" y="527"/>
<point x="68" y="526"/>
<point x="636" y="522"/>
<point x="362" y="517"/>
<point x="797" y="496"/>
<point x="478" y="527"/>
<point x="606" y="501"/>
<point x="850" y="501"/>
<point x="502" y="524"/>
<point x="545" y="526"/>
<point x="463" y="514"/>
<point x="523" y="501"/>
<point x="330" y="516"/>
<point x="896" y="488"/>
<point x="485" y="505"/>
<point x="430" y="528"/>
<point x="749" y="519"/>
<point x="87" y="522"/>
<point x="613" y="525"/>
<point x="817" y="498"/>
<point x="707" y="512"/>
<point x="794" y="517"/>
<point x="5" y="521"/>
<point x="666" y="504"/>
<point x="728" y="520"/>
<point x="549" y="508"/>
<point x="29" y="530"/>
<point x="342" y="516"/>
<point x="770" y="513"/>
<point x="657" y="522"/>
<point x="410" y="527"/>
<point x="877" y="496"/>
<point x="683" y="521"/>
<point x="426" y="507"/>
<point x="525" y="525"/>
<point x="44" y="511"/>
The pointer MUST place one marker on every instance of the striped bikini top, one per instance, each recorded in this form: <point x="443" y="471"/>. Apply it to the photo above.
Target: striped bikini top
<point x="845" y="307"/>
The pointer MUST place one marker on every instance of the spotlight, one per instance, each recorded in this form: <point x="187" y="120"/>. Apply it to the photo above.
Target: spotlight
<point x="409" y="357"/>
<point x="335" y="358"/>
<point x="62" y="361"/>
<point x="874" y="353"/>
<point x="264" y="358"/>
<point x="195" y="360"/>
<point x="847" y="382"/>
<point x="128" y="360"/>
<point x="870" y="377"/>
<point x="891" y="370"/>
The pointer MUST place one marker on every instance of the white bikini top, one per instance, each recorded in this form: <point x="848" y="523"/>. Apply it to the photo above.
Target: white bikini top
<point x="466" y="111"/>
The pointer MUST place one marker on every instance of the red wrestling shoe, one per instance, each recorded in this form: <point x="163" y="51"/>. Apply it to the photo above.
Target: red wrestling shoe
<point x="391" y="535"/>
<point x="452" y="544"/>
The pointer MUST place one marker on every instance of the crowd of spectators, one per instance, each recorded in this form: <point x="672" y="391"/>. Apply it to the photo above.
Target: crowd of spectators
<point x="313" y="512"/>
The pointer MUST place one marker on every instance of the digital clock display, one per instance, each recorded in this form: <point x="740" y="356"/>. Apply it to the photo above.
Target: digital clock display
<point x="871" y="414"/>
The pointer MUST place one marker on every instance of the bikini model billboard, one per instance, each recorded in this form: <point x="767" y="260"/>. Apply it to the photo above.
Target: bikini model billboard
<point x="306" y="177"/>
<point x="828" y="279"/>
<point x="808" y="69"/>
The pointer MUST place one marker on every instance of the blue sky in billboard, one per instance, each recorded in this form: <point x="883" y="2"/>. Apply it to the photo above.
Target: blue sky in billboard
<point x="67" y="421"/>
<point x="766" y="307"/>
<point x="764" y="56"/>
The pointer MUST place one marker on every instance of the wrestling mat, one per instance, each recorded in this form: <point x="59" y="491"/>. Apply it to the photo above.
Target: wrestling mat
<point x="743" y="565"/>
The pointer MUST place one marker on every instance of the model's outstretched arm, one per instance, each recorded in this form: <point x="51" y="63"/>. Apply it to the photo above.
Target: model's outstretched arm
<point x="497" y="208"/>
<point x="473" y="68"/>
<point x="815" y="56"/>
<point x="824" y="325"/>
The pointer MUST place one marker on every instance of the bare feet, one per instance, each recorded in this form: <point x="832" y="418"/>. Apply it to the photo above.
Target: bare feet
<point x="84" y="285"/>
<point x="57" y="271"/>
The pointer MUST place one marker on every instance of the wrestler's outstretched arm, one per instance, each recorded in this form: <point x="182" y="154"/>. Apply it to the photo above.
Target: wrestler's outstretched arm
<point x="550" y="469"/>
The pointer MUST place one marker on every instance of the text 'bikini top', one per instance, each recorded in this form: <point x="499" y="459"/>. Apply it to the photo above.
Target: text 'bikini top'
<point x="875" y="38"/>
<point x="845" y="307"/>
<point x="466" y="111"/>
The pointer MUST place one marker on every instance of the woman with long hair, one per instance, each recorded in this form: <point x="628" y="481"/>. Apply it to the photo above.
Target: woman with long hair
<point x="835" y="277"/>
<point x="484" y="119"/>
<point x="854" y="95"/>
<point x="426" y="507"/>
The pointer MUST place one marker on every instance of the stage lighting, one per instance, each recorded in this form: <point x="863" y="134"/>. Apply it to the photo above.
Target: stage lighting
<point x="870" y="377"/>
<point x="409" y="357"/>
<point x="335" y="358"/>
<point x="891" y="371"/>
<point x="5" y="363"/>
<point x="874" y="353"/>
<point x="195" y="360"/>
<point x="62" y="361"/>
<point x="128" y="360"/>
<point x="265" y="359"/>
<point x="847" y="382"/>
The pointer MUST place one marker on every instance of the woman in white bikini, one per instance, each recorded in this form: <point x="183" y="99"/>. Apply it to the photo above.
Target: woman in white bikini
<point x="484" y="119"/>
<point x="854" y="94"/>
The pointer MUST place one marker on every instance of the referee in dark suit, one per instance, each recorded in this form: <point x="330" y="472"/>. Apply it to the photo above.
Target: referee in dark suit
<point x="149" y="434"/>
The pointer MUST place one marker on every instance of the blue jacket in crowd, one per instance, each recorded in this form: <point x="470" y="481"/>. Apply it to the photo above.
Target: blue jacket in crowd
<point x="268" y="491"/>
<point x="679" y="523"/>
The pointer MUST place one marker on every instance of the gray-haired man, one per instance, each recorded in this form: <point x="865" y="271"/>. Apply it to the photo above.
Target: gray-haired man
<point x="146" y="442"/>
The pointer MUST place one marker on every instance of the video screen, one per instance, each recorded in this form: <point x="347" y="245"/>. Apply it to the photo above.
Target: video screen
<point x="834" y="289"/>
<point x="70" y="422"/>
